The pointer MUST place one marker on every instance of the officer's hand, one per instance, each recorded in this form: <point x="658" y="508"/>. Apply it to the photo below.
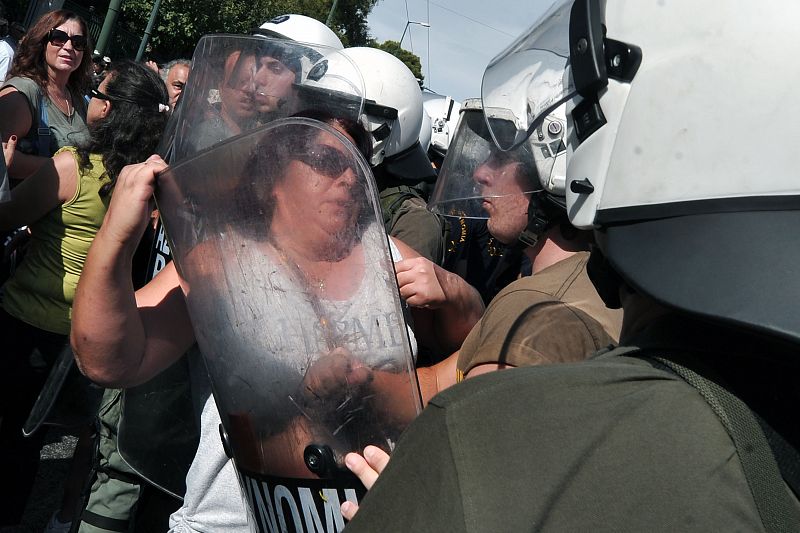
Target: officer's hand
<point x="367" y="467"/>
<point x="419" y="284"/>
<point x="131" y="207"/>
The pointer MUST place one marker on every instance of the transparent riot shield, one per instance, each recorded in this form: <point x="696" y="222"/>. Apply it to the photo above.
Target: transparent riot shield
<point x="289" y="283"/>
<point x="237" y="83"/>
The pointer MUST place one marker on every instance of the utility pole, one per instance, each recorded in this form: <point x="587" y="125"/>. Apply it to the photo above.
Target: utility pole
<point x="148" y="30"/>
<point x="330" y="13"/>
<point x="108" y="26"/>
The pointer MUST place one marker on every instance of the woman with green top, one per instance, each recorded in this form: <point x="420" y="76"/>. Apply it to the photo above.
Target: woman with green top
<point x="42" y="100"/>
<point x="64" y="203"/>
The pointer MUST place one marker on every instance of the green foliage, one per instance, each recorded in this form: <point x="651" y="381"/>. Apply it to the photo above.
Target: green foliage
<point x="411" y="59"/>
<point x="182" y="22"/>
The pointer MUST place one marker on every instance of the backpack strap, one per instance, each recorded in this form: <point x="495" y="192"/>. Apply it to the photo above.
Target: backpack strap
<point x="391" y="199"/>
<point x="778" y="513"/>
<point x="43" y="131"/>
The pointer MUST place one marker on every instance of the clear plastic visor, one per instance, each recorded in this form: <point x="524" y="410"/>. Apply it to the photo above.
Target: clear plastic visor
<point x="531" y="77"/>
<point x="476" y="174"/>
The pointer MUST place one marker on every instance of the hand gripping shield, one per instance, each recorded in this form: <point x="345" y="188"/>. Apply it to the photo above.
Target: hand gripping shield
<point x="292" y="295"/>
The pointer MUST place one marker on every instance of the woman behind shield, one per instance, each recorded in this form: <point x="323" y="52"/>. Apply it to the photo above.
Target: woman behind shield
<point x="123" y="339"/>
<point x="315" y="246"/>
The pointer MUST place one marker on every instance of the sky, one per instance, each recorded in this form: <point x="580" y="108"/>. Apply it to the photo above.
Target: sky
<point x="464" y="35"/>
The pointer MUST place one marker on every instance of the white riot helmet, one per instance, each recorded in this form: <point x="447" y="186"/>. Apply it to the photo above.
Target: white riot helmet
<point x="520" y="189"/>
<point x="392" y="113"/>
<point x="300" y="28"/>
<point x="425" y="131"/>
<point x="444" y="113"/>
<point x="686" y="212"/>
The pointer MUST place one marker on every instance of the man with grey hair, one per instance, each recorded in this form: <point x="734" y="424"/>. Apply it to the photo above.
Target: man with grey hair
<point x="175" y="73"/>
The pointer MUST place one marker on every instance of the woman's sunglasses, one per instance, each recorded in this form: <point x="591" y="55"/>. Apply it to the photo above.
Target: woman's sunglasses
<point x="327" y="160"/>
<point x="59" y="38"/>
<point x="97" y="94"/>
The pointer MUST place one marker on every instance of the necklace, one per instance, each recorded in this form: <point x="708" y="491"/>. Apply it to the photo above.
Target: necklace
<point x="328" y="330"/>
<point x="70" y="110"/>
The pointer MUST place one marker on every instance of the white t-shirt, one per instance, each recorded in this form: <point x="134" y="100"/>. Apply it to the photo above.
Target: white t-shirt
<point x="213" y="500"/>
<point x="7" y="51"/>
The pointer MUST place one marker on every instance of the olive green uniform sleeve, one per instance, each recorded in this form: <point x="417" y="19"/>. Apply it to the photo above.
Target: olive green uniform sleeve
<point x="420" y="229"/>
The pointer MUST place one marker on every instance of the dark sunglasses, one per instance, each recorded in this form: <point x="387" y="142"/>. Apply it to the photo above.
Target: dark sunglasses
<point x="327" y="160"/>
<point x="97" y="94"/>
<point x="59" y="38"/>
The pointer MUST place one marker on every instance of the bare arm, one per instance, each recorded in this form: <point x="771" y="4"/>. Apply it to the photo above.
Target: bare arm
<point x="444" y="306"/>
<point x="120" y="338"/>
<point x="16" y="119"/>
<point x="52" y="185"/>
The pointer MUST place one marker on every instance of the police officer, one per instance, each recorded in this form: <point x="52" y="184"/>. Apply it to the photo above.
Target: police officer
<point x="689" y="425"/>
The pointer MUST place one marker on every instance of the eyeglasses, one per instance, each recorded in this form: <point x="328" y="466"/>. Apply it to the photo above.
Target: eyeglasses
<point x="97" y="94"/>
<point x="59" y="38"/>
<point x="327" y="160"/>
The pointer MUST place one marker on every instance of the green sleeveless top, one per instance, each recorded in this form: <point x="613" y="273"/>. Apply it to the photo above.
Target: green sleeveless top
<point x="42" y="289"/>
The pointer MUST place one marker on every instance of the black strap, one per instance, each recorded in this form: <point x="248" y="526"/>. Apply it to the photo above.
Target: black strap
<point x="43" y="133"/>
<point x="777" y="511"/>
<point x="104" y="522"/>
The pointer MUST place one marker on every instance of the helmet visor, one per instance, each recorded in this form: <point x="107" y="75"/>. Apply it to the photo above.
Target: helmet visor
<point x="531" y="77"/>
<point x="475" y="173"/>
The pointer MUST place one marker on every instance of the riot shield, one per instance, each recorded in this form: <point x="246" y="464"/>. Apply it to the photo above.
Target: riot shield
<point x="237" y="83"/>
<point x="290" y="287"/>
<point x="67" y="399"/>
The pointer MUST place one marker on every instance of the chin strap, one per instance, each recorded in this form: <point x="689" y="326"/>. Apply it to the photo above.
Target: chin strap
<point x="539" y="220"/>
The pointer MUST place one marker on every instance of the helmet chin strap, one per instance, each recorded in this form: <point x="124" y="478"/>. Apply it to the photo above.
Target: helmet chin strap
<point x="539" y="221"/>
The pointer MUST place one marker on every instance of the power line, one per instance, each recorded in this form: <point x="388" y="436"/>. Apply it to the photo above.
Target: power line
<point x="466" y="17"/>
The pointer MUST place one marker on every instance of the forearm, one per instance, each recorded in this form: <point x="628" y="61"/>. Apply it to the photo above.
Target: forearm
<point x="107" y="332"/>
<point x="25" y="165"/>
<point x="461" y="310"/>
<point x="434" y="379"/>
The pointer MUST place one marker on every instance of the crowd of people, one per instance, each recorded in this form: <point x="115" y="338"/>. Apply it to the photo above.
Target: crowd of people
<point x="580" y="318"/>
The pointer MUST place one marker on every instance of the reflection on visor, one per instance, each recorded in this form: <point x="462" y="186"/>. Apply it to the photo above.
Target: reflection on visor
<point x="531" y="77"/>
<point x="241" y="83"/>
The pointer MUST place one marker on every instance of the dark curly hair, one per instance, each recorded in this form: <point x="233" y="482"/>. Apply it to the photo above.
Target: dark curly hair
<point x="29" y="61"/>
<point x="132" y="129"/>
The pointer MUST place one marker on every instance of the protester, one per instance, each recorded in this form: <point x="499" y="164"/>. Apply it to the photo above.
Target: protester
<point x="100" y="66"/>
<point x="690" y="425"/>
<point x="64" y="202"/>
<point x="118" y="490"/>
<point x="46" y="85"/>
<point x="8" y="47"/>
<point x="175" y="73"/>
<point x="120" y="361"/>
